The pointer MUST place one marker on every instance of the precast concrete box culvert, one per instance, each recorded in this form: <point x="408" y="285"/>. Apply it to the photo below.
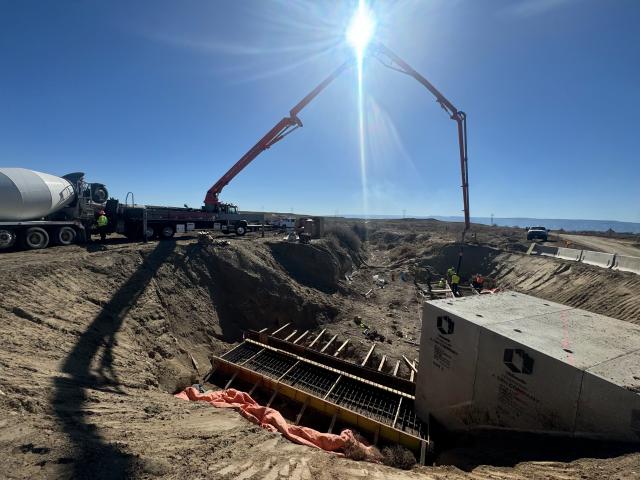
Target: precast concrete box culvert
<point x="510" y="361"/>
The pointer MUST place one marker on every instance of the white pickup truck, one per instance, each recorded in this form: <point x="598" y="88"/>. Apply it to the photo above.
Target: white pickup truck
<point x="288" y="223"/>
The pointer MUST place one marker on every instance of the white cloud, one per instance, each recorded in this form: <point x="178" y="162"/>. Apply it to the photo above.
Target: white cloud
<point x="529" y="8"/>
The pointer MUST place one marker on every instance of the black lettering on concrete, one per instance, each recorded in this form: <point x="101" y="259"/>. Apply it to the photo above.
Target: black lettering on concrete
<point x="443" y="352"/>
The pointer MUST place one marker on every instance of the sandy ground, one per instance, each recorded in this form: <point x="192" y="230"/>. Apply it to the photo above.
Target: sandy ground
<point x="603" y="244"/>
<point x="94" y="341"/>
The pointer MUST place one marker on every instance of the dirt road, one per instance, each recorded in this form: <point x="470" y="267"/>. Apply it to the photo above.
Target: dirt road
<point x="604" y="244"/>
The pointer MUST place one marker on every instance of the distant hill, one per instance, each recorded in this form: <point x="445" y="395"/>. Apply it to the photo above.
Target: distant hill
<point x="550" y="223"/>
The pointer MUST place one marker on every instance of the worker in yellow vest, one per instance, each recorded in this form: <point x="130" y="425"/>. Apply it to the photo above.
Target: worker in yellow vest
<point x="450" y="272"/>
<point x="455" y="281"/>
<point x="103" y="222"/>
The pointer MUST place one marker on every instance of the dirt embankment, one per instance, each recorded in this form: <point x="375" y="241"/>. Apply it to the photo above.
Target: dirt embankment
<point x="499" y="253"/>
<point x="592" y="288"/>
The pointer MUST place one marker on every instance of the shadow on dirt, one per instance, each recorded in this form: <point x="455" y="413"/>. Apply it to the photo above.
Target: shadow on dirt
<point x="249" y="291"/>
<point x="94" y="458"/>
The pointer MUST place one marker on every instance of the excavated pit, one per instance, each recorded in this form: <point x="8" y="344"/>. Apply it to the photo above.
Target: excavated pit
<point x="92" y="327"/>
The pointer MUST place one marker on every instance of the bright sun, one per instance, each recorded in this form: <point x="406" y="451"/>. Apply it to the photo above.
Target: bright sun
<point x="361" y="28"/>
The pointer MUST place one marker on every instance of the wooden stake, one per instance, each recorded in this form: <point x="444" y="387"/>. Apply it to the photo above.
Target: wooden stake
<point x="411" y="365"/>
<point x="301" y="336"/>
<point x="384" y="357"/>
<point x="333" y="422"/>
<point x="233" y="377"/>
<point x="328" y="343"/>
<point x="341" y="347"/>
<point x="423" y="452"/>
<point x="366" y="359"/>
<point x="275" y="392"/>
<point x="291" y="335"/>
<point x="317" y="338"/>
<point x="253" y="389"/>
<point x="301" y="412"/>
<point x="280" y="329"/>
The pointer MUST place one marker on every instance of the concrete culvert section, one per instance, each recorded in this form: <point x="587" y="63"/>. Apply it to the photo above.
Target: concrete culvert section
<point x="528" y="365"/>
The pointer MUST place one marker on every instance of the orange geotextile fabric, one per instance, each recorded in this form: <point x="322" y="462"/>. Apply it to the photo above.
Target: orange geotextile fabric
<point x="270" y="419"/>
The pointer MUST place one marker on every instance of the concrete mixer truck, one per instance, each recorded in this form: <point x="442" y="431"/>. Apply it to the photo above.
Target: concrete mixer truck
<point x="37" y="208"/>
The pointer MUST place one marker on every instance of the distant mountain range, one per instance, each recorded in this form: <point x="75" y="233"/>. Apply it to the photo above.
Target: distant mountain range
<point x="550" y="223"/>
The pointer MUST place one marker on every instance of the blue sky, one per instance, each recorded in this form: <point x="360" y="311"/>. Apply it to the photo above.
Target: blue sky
<point x="161" y="98"/>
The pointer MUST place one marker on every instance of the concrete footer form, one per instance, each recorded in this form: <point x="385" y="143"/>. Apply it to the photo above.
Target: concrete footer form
<point x="513" y="362"/>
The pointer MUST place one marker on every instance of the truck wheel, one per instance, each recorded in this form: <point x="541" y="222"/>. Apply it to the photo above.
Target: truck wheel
<point x="241" y="230"/>
<point x="150" y="233"/>
<point x="36" y="238"/>
<point x="65" y="236"/>
<point x="167" y="232"/>
<point x="7" y="238"/>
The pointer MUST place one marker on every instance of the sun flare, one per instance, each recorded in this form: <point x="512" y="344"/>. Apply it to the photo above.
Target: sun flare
<point x="361" y="28"/>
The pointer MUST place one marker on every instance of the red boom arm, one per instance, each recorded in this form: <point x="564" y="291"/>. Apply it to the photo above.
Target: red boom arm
<point x="283" y="128"/>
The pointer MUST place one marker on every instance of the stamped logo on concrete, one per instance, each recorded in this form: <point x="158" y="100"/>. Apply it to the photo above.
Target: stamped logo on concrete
<point x="445" y="325"/>
<point x="518" y="361"/>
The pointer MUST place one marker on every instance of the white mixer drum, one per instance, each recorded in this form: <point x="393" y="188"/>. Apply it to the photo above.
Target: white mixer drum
<point x="30" y="195"/>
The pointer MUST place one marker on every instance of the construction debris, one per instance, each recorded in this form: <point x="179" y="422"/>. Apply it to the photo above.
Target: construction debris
<point x="208" y="238"/>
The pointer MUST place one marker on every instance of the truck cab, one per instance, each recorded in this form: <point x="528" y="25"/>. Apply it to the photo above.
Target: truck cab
<point x="538" y="233"/>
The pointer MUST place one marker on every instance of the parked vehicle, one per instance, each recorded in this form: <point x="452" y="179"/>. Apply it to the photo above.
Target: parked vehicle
<point x="538" y="233"/>
<point x="285" y="223"/>
<point x="37" y="209"/>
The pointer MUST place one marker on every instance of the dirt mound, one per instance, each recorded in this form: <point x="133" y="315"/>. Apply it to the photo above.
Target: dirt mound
<point x="251" y="288"/>
<point x="320" y="265"/>
<point x="309" y="265"/>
